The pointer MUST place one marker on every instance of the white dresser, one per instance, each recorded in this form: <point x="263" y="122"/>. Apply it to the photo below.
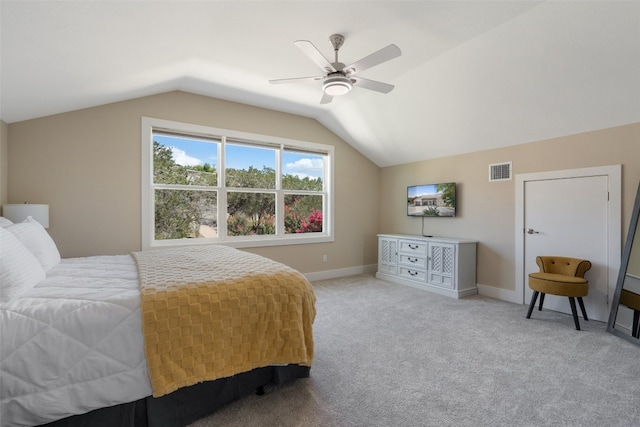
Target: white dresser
<point x="438" y="264"/>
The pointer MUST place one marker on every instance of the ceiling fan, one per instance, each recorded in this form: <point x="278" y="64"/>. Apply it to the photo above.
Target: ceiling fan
<point x="339" y="78"/>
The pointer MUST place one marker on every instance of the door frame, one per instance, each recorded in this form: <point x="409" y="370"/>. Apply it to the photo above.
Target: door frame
<point x="614" y="219"/>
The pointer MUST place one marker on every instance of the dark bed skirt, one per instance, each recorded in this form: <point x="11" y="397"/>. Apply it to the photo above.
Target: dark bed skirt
<point x="185" y="405"/>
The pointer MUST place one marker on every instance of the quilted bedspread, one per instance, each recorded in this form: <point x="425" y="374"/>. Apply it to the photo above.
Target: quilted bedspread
<point x="73" y="343"/>
<point x="212" y="311"/>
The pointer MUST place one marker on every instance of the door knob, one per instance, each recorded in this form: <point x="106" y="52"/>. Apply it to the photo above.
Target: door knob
<point x="532" y="231"/>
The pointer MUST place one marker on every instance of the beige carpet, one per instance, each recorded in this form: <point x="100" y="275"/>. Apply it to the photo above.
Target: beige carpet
<point x="391" y="355"/>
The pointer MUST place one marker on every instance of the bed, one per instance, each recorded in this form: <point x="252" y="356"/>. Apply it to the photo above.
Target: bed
<point x="154" y="338"/>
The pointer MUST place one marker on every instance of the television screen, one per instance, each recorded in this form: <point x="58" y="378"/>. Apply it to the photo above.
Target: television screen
<point x="432" y="200"/>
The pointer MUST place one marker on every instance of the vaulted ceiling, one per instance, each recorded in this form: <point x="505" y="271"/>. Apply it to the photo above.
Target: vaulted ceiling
<point x="473" y="75"/>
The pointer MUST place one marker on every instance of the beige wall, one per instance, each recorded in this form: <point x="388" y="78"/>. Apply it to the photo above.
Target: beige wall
<point x="86" y="165"/>
<point x="487" y="209"/>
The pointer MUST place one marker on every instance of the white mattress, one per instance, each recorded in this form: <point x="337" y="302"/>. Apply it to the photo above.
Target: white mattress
<point x="73" y="343"/>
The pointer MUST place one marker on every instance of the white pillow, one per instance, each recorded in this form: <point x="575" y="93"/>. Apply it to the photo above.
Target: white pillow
<point x="35" y="238"/>
<point x="4" y="221"/>
<point x="19" y="268"/>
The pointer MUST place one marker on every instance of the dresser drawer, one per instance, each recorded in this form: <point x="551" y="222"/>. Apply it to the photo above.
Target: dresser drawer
<point x="413" y="274"/>
<point x="413" y="261"/>
<point x="413" y="247"/>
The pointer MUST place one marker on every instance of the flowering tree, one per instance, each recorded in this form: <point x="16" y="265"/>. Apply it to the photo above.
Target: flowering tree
<point x="303" y="214"/>
<point x="312" y="224"/>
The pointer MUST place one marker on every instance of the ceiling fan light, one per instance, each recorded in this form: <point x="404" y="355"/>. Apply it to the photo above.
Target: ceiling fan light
<point x="336" y="85"/>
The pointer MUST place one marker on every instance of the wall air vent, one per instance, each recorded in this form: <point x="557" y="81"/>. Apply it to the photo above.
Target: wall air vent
<point x="500" y="172"/>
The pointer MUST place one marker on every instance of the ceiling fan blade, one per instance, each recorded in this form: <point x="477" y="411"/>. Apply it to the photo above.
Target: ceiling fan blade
<point x="372" y="85"/>
<point x="378" y="57"/>
<point x="326" y="99"/>
<point x="314" y="54"/>
<point x="294" y="79"/>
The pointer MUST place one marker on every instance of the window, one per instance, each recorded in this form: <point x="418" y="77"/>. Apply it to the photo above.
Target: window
<point x="205" y="185"/>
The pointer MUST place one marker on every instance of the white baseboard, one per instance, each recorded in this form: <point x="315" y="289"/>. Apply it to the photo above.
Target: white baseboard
<point x="341" y="272"/>
<point x="508" y="295"/>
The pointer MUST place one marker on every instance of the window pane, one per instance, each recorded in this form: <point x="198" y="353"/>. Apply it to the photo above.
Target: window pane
<point x="250" y="167"/>
<point x="181" y="214"/>
<point x="184" y="160"/>
<point x="302" y="171"/>
<point x="302" y="213"/>
<point x="250" y="213"/>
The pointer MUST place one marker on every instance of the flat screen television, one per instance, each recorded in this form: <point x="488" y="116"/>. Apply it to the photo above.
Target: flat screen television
<point x="432" y="200"/>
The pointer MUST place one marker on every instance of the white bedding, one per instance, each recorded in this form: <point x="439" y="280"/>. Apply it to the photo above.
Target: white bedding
<point x="73" y="343"/>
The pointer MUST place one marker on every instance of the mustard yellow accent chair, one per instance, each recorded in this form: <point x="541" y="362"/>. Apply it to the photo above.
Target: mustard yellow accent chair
<point x="560" y="276"/>
<point x="632" y="300"/>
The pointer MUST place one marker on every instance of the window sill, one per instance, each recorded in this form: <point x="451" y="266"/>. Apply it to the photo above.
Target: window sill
<point x="245" y="242"/>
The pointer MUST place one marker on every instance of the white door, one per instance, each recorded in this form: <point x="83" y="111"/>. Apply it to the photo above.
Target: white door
<point x="569" y="217"/>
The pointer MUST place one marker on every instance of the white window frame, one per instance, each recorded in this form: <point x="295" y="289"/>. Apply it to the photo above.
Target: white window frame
<point x="151" y="125"/>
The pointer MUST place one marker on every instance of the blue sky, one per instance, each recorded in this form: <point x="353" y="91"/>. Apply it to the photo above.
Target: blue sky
<point x="189" y="152"/>
<point x="421" y="190"/>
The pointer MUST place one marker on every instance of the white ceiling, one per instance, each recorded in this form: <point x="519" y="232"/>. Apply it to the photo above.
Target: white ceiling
<point x="473" y="75"/>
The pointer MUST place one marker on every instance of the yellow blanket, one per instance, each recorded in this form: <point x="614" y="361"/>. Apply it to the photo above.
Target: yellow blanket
<point x="212" y="311"/>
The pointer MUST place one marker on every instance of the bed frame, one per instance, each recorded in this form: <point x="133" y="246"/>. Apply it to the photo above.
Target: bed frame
<point x="188" y="404"/>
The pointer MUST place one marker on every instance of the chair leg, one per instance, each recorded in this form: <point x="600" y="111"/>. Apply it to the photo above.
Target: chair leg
<point x="541" y="301"/>
<point x="572" y="301"/>
<point x="532" y="304"/>
<point x="584" y="312"/>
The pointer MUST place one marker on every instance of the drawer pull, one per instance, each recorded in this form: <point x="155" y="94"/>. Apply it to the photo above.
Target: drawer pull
<point x="413" y="246"/>
<point x="414" y="260"/>
<point x="412" y="273"/>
